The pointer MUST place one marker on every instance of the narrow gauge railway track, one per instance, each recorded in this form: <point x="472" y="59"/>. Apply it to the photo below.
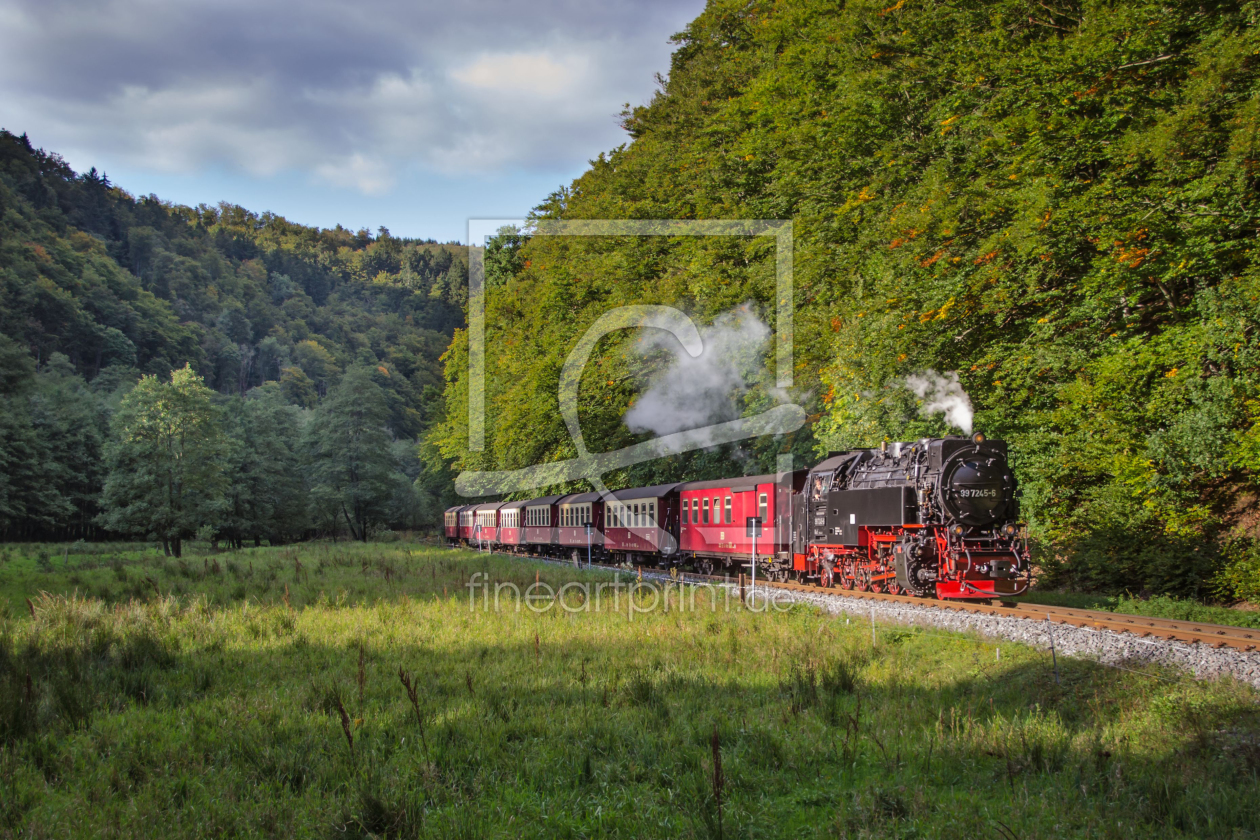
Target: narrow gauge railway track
<point x="1167" y="629"/>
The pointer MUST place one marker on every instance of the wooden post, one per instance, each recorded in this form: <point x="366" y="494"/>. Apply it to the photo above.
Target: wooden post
<point x="1053" y="656"/>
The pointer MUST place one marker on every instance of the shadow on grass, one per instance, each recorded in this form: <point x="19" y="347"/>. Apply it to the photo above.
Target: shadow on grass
<point x="149" y="704"/>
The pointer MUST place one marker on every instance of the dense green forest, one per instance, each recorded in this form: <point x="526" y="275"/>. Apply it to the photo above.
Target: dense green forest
<point x="1056" y="200"/>
<point x="301" y="364"/>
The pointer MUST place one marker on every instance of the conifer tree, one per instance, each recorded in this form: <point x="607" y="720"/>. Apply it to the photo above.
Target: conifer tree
<point x="71" y="422"/>
<point x="265" y="497"/>
<point x="352" y="467"/>
<point x="26" y="497"/>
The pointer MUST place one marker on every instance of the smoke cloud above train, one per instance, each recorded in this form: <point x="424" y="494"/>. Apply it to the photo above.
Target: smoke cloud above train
<point x="694" y="392"/>
<point x="943" y="393"/>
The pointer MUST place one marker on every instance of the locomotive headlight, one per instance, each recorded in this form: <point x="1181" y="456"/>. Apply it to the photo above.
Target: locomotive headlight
<point x="978" y="437"/>
<point x="956" y="530"/>
<point x="1009" y="529"/>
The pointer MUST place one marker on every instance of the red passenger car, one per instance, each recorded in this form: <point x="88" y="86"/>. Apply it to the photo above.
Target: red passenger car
<point x="540" y="524"/>
<point x="466" y="523"/>
<point x="641" y="524"/>
<point x="486" y="524"/>
<point x="450" y="524"/>
<point x="575" y="511"/>
<point x="511" y="528"/>
<point x="712" y="523"/>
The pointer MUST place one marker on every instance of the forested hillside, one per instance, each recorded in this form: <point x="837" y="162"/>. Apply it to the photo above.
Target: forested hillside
<point x="1056" y="200"/>
<point x="282" y="326"/>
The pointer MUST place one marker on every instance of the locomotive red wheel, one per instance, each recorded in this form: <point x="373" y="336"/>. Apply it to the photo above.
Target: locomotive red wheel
<point x="862" y="579"/>
<point x="847" y="574"/>
<point x="826" y="579"/>
<point x="894" y="588"/>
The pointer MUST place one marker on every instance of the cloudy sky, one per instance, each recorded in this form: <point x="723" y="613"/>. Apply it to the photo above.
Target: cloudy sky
<point x="412" y="115"/>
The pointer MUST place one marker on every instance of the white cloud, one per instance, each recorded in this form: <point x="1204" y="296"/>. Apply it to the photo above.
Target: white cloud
<point x="535" y="74"/>
<point x="175" y="129"/>
<point x="349" y="95"/>
<point x="14" y="21"/>
<point x="370" y="177"/>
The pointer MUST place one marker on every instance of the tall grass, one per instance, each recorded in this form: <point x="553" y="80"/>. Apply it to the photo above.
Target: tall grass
<point x="370" y="703"/>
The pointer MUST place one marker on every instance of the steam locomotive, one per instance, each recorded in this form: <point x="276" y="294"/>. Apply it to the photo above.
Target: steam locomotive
<point x="935" y="517"/>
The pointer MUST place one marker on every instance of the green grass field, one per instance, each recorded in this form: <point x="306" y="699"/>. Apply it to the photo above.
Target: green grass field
<point x="258" y="693"/>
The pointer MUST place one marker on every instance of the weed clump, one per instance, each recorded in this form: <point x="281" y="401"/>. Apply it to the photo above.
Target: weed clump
<point x="641" y="690"/>
<point x="82" y="663"/>
<point x="823" y="688"/>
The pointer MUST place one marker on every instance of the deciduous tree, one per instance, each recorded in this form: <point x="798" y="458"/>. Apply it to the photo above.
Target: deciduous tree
<point x="166" y="460"/>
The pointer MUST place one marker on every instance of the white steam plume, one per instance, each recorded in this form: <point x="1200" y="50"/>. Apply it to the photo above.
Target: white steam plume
<point x="942" y="393"/>
<point x="699" y="391"/>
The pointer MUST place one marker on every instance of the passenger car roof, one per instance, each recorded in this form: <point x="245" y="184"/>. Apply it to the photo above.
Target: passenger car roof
<point x="543" y="500"/>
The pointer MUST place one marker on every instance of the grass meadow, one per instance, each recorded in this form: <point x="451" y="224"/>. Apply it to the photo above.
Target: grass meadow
<point x="338" y="690"/>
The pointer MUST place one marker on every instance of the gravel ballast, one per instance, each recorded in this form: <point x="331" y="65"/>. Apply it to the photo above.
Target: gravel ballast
<point x="1103" y="646"/>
